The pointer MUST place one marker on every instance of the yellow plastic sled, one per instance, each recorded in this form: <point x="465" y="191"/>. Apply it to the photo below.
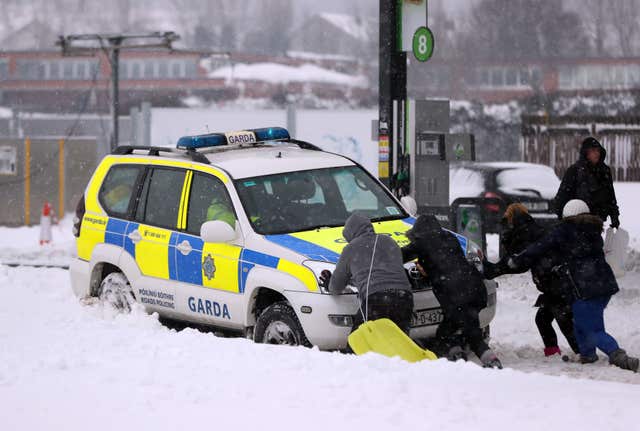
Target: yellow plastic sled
<point x="384" y="337"/>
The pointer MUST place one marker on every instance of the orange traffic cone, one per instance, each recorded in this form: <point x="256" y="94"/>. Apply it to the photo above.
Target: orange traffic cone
<point x="45" y="224"/>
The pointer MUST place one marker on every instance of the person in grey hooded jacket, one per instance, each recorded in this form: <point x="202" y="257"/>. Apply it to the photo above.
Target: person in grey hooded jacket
<point x="383" y="287"/>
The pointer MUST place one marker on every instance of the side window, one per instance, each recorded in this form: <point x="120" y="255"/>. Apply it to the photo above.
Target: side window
<point x="117" y="189"/>
<point x="208" y="200"/>
<point x="160" y="199"/>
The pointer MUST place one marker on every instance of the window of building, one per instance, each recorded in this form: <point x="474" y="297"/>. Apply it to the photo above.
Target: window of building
<point x="67" y="70"/>
<point x="163" y="69"/>
<point x="177" y="69"/>
<point x="81" y="70"/>
<point x="497" y="77"/>
<point x="511" y="77"/>
<point x="4" y="69"/>
<point x="135" y="70"/>
<point x="149" y="69"/>
<point x="191" y="69"/>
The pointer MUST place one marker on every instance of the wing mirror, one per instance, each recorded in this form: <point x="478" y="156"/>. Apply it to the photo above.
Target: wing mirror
<point x="217" y="231"/>
<point x="410" y="205"/>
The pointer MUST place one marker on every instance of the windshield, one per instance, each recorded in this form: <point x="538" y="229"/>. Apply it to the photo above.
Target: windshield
<point x="298" y="201"/>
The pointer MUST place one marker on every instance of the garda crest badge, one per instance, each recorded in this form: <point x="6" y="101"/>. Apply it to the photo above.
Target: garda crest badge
<point x="209" y="267"/>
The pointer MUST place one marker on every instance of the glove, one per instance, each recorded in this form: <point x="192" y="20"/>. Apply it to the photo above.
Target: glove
<point x="325" y="278"/>
<point x="615" y="222"/>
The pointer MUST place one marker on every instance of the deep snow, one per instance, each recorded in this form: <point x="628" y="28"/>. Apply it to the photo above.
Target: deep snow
<point x="64" y="365"/>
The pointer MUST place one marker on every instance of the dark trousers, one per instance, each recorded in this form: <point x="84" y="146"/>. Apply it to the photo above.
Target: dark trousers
<point x="461" y="325"/>
<point x="563" y="315"/>
<point x="396" y="305"/>
<point x="588" y="321"/>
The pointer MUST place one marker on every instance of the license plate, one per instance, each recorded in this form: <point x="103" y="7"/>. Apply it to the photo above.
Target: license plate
<point x="432" y="316"/>
<point x="536" y="206"/>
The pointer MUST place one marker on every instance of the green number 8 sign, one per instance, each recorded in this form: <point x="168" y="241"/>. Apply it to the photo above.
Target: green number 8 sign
<point x="423" y="43"/>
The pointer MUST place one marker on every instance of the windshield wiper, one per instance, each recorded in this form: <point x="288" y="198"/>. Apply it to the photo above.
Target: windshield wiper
<point x="389" y="217"/>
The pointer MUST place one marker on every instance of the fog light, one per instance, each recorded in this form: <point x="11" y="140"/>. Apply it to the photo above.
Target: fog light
<point x="341" y="319"/>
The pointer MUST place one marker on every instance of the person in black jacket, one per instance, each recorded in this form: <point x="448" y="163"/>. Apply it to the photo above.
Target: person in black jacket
<point x="579" y="239"/>
<point x="457" y="285"/>
<point x="589" y="179"/>
<point x="373" y="264"/>
<point x="520" y="231"/>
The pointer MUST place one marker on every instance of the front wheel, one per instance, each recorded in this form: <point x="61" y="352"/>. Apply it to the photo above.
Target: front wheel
<point x="278" y="324"/>
<point x="116" y="291"/>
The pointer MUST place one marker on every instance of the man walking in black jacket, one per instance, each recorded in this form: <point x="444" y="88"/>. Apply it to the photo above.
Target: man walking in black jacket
<point x="589" y="179"/>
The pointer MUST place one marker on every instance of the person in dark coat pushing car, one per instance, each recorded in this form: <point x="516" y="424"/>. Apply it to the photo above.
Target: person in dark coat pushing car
<point x="457" y="285"/>
<point x="579" y="238"/>
<point x="589" y="179"/>
<point x="373" y="264"/>
<point x="554" y="302"/>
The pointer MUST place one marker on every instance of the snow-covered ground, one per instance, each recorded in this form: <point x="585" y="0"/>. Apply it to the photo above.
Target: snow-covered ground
<point x="68" y="366"/>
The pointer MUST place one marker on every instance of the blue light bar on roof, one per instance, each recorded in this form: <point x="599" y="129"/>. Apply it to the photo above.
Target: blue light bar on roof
<point x="202" y="141"/>
<point x="243" y="137"/>
<point x="271" y="134"/>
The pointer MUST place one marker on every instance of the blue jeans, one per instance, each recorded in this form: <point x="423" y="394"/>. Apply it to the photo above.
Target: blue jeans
<point x="588" y="324"/>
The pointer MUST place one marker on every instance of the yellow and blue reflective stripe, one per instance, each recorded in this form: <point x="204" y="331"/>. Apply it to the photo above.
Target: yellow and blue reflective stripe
<point x="184" y="198"/>
<point x="114" y="234"/>
<point x="188" y="269"/>
<point x="306" y="248"/>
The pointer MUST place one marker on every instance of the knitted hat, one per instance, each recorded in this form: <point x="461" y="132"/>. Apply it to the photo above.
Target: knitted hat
<point x="574" y="207"/>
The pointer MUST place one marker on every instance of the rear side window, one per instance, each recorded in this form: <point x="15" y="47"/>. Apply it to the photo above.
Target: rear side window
<point x="160" y="199"/>
<point x="208" y="200"/>
<point x="118" y="188"/>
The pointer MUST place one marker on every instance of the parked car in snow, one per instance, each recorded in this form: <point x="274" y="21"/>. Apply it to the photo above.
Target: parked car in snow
<point x="533" y="185"/>
<point x="233" y="231"/>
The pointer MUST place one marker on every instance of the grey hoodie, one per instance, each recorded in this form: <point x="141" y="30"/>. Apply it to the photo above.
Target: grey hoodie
<point x="354" y="263"/>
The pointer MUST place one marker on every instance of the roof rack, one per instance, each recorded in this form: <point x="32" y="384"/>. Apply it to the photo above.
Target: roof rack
<point x="155" y="151"/>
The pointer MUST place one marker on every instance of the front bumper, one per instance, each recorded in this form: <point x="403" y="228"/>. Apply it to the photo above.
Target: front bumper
<point x="321" y="332"/>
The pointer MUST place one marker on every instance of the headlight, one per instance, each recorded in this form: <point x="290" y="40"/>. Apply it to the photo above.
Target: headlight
<point x="475" y="255"/>
<point x="317" y="267"/>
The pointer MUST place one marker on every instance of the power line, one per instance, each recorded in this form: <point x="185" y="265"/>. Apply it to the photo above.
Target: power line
<point x="111" y="44"/>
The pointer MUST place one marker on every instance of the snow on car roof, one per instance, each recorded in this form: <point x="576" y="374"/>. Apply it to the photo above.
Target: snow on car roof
<point x="268" y="160"/>
<point x="499" y="165"/>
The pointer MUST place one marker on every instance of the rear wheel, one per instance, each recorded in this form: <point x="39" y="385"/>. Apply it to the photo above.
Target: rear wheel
<point x="116" y="291"/>
<point x="278" y="324"/>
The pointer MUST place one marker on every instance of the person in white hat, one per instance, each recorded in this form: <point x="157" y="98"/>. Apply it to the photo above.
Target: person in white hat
<point x="579" y="238"/>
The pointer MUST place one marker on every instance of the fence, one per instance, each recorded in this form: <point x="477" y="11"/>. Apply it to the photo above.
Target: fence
<point x="555" y="142"/>
<point x="39" y="169"/>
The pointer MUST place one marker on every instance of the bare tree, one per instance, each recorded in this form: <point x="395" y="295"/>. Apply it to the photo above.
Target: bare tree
<point x="625" y="20"/>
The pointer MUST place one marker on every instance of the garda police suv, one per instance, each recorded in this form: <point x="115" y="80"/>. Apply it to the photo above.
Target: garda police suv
<point x="232" y="231"/>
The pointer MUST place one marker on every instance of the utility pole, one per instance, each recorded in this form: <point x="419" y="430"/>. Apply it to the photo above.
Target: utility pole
<point x="111" y="45"/>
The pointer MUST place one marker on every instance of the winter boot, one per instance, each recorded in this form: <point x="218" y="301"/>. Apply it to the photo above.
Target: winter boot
<point x="619" y="358"/>
<point x="588" y="359"/>
<point x="456" y="353"/>
<point x="550" y="351"/>
<point x="490" y="360"/>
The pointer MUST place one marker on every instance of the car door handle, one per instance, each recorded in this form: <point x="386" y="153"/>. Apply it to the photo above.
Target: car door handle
<point x="184" y="247"/>
<point x="135" y="236"/>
